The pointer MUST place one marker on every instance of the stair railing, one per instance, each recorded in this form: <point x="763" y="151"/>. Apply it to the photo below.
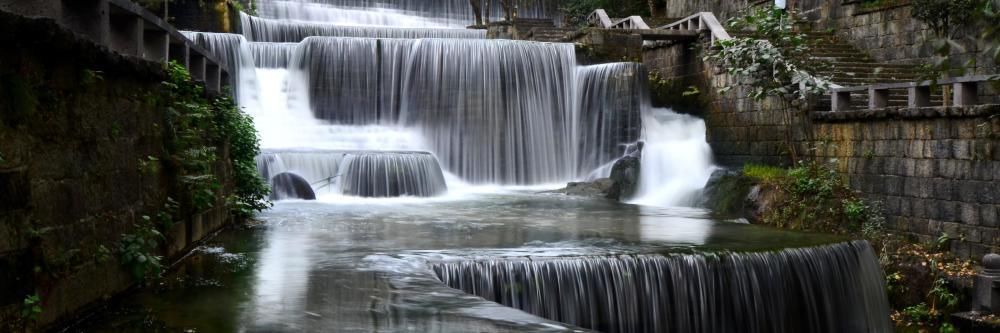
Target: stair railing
<point x="599" y="18"/>
<point x="698" y="22"/>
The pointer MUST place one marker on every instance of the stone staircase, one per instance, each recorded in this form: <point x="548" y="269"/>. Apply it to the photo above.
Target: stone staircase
<point x="849" y="67"/>
<point x="541" y="30"/>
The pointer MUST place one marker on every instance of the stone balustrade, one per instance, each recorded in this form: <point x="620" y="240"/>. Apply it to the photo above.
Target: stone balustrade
<point x="128" y="29"/>
<point x="964" y="93"/>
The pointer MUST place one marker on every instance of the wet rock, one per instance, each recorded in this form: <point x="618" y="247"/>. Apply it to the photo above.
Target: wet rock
<point x="726" y="192"/>
<point x="625" y="174"/>
<point x="288" y="185"/>
<point x="597" y="188"/>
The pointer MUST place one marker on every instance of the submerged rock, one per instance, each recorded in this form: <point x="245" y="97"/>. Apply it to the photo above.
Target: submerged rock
<point x="287" y="185"/>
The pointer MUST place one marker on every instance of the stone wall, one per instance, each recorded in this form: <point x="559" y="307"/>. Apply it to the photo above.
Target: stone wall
<point x="888" y="33"/>
<point x="935" y="169"/>
<point x="78" y="128"/>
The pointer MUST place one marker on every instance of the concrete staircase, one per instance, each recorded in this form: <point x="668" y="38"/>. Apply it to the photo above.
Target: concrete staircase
<point x="541" y="30"/>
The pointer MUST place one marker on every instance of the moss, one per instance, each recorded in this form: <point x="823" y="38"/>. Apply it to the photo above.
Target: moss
<point x="728" y="195"/>
<point x="763" y="173"/>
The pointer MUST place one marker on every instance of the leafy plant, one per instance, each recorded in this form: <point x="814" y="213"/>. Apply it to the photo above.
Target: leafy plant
<point x="137" y="250"/>
<point x="149" y="165"/>
<point x="199" y="125"/>
<point x="31" y="307"/>
<point x="771" y="62"/>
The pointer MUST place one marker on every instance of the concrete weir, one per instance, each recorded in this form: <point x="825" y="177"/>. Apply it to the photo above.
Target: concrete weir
<point x="128" y="29"/>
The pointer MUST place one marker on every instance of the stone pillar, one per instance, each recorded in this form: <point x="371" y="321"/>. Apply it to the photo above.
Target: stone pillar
<point x="179" y="52"/>
<point x="986" y="287"/>
<point x="126" y="32"/>
<point x="196" y="65"/>
<point x="155" y="44"/>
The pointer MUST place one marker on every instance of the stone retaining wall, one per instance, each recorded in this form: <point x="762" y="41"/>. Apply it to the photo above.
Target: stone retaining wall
<point x="935" y="169"/>
<point x="77" y="125"/>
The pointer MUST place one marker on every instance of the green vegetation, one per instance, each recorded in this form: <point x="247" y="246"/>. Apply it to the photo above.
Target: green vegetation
<point x="198" y="126"/>
<point x="138" y="250"/>
<point x="31" y="308"/>
<point x="920" y="276"/>
<point x="765" y="173"/>
<point x="813" y="197"/>
<point x="772" y="61"/>
<point x="956" y="23"/>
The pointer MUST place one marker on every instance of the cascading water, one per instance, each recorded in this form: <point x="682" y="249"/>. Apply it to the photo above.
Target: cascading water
<point x="835" y="288"/>
<point x="384" y="98"/>
<point x="269" y="30"/>
<point x="399" y="13"/>
<point x="611" y="99"/>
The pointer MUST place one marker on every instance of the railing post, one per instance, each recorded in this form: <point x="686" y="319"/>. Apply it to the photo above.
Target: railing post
<point x="196" y="65"/>
<point x="965" y="93"/>
<point x="179" y="52"/>
<point x="918" y="96"/>
<point x="840" y="100"/>
<point x="213" y="72"/>
<point x="126" y="32"/>
<point x="156" y="44"/>
<point x="877" y="98"/>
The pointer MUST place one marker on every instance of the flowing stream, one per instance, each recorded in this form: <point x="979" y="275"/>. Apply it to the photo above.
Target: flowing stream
<point x="426" y="144"/>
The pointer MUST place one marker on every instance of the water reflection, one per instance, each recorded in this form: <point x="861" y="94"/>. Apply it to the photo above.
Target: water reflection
<point x="363" y="267"/>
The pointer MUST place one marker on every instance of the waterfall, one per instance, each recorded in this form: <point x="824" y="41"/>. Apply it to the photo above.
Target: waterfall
<point x="358" y="173"/>
<point x="269" y="30"/>
<point x="676" y="160"/>
<point x="835" y="288"/>
<point x="400" y="13"/>
<point x="611" y="99"/>
<point x="495" y="111"/>
<point x="234" y="54"/>
<point x="392" y="175"/>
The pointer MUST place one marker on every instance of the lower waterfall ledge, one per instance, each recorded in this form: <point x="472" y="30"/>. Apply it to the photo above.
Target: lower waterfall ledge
<point x="830" y="288"/>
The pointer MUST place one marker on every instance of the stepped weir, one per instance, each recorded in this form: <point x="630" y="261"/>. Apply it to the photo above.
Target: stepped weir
<point x="401" y="101"/>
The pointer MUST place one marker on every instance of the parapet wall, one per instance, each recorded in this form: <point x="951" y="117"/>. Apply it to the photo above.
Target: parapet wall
<point x="79" y="126"/>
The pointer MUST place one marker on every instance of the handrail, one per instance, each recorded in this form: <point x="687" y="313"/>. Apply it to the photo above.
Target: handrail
<point x="701" y="21"/>
<point x="599" y="18"/>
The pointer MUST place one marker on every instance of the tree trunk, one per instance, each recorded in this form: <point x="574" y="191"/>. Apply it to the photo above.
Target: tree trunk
<point x="477" y="10"/>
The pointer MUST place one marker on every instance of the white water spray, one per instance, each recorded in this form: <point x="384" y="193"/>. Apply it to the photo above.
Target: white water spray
<point x="676" y="160"/>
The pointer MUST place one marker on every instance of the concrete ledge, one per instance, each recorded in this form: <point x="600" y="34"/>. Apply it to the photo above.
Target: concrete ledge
<point x="908" y="113"/>
<point x="127" y="28"/>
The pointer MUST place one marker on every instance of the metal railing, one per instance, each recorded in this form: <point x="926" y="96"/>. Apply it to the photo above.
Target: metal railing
<point x="128" y="29"/>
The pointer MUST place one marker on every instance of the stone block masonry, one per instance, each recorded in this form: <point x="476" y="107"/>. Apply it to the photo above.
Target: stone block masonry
<point x="78" y="125"/>
<point x="936" y="169"/>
